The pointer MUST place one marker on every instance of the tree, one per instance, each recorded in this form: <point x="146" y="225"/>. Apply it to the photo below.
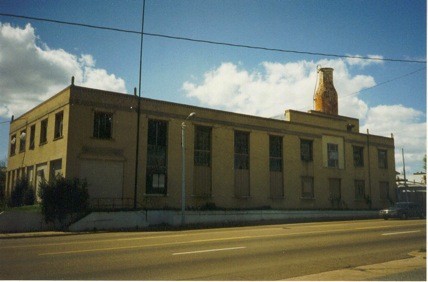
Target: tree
<point x="22" y="193"/>
<point x="62" y="197"/>
<point x="425" y="168"/>
<point x="425" y="163"/>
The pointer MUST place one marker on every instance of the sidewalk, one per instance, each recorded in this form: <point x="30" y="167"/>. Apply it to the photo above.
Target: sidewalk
<point x="413" y="267"/>
<point x="36" y="234"/>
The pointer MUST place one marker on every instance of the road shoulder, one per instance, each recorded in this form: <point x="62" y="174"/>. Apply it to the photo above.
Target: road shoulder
<point x="370" y="272"/>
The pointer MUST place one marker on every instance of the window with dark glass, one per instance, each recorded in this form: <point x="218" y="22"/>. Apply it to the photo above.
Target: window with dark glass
<point x="242" y="149"/>
<point x="333" y="155"/>
<point x="156" y="176"/>
<point x="43" y="131"/>
<point x="32" y="136"/>
<point x="308" y="187"/>
<point x="103" y="122"/>
<point x="22" y="140"/>
<point x="13" y="145"/>
<point x="202" y="149"/>
<point x="382" y="159"/>
<point x="275" y="153"/>
<point x="306" y="150"/>
<point x="359" y="189"/>
<point x="358" y="156"/>
<point x="58" y="124"/>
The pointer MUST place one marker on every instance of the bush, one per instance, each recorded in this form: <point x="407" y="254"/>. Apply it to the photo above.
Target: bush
<point x="21" y="193"/>
<point x="62" y="197"/>
<point x="29" y="197"/>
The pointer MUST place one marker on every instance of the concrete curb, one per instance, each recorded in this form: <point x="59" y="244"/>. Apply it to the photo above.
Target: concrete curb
<point x="369" y="272"/>
<point x="38" y="234"/>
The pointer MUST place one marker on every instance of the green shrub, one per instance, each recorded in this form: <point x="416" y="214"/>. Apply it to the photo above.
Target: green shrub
<point x="29" y="197"/>
<point x="62" y="197"/>
<point x="21" y="193"/>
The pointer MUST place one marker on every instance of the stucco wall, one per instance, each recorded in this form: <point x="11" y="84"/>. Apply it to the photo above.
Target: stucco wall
<point x="79" y="144"/>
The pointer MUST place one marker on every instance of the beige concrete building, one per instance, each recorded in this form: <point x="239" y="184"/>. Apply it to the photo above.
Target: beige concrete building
<point x="309" y="160"/>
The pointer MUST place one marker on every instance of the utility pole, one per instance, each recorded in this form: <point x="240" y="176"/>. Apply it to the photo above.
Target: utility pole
<point x="404" y="174"/>
<point x="138" y="108"/>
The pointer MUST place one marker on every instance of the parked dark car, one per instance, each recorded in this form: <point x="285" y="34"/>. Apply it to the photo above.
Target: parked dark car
<point x="403" y="210"/>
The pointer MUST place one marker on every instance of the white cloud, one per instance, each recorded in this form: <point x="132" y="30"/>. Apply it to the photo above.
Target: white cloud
<point x="275" y="87"/>
<point x="409" y="128"/>
<point x="31" y="72"/>
<point x="357" y="61"/>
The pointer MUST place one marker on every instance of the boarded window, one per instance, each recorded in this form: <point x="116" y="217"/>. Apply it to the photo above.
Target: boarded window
<point x="384" y="190"/>
<point x="242" y="150"/>
<point x="359" y="189"/>
<point x="202" y="150"/>
<point x="308" y="187"/>
<point x="242" y="164"/>
<point x="275" y="153"/>
<point x="202" y="162"/>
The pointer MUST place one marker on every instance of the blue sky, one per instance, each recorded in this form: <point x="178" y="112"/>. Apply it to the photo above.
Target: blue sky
<point x="236" y="79"/>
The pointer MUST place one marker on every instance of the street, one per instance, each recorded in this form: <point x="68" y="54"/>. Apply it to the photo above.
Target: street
<point x="268" y="252"/>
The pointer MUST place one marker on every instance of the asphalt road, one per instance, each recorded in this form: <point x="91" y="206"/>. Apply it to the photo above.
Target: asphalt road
<point x="269" y="252"/>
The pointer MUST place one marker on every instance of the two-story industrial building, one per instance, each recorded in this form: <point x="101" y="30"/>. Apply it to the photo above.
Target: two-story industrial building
<point x="307" y="160"/>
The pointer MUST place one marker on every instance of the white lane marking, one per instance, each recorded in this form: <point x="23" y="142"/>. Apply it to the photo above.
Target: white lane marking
<point x="209" y="251"/>
<point x="402" y="232"/>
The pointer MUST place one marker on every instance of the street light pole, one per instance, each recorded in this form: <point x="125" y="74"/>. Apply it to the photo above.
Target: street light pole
<point x="183" y="167"/>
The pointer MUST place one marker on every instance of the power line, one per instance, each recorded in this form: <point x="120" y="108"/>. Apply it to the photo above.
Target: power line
<point x="214" y="42"/>
<point x="382" y="83"/>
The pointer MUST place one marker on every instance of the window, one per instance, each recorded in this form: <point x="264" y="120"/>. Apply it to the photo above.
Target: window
<point x="202" y="153"/>
<point x="382" y="158"/>
<point x="333" y="155"/>
<point x="58" y="124"/>
<point x="22" y="140"/>
<point x="308" y="187"/>
<point x="103" y="125"/>
<point x="384" y="190"/>
<point x="156" y="174"/>
<point x="43" y="131"/>
<point x="359" y="189"/>
<point x="275" y="153"/>
<point x="335" y="188"/>
<point x="306" y="150"/>
<point x="13" y="145"/>
<point x="358" y="156"/>
<point x="32" y="136"/>
<point x="242" y="149"/>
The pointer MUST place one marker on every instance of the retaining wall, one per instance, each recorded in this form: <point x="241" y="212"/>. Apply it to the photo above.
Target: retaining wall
<point x="142" y="219"/>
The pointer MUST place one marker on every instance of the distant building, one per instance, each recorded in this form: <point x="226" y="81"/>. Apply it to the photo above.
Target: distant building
<point x="309" y="160"/>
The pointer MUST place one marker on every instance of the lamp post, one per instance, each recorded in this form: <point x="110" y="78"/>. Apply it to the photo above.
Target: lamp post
<point x="183" y="167"/>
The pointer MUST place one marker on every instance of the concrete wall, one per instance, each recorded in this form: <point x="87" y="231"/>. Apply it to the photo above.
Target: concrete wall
<point x="141" y="219"/>
<point x="23" y="221"/>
